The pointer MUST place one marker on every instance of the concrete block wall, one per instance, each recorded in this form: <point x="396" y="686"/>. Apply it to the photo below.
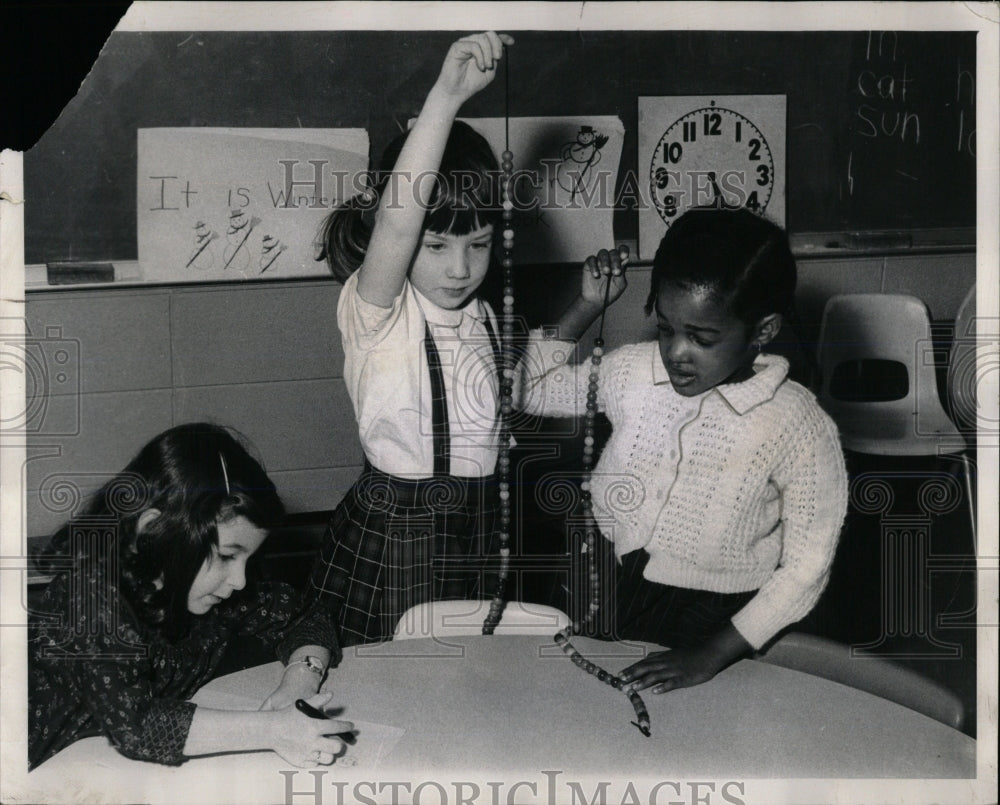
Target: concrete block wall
<point x="266" y="359"/>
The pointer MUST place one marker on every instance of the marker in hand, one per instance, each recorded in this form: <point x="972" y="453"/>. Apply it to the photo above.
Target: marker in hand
<point x="307" y="709"/>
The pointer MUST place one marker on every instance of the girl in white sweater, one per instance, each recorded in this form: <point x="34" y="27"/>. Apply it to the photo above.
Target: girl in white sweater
<point x="722" y="486"/>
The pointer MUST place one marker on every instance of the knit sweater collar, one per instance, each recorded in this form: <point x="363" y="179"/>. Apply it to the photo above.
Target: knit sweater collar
<point x="770" y="372"/>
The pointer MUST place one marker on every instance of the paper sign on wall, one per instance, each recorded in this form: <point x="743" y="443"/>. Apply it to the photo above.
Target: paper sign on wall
<point x="704" y="150"/>
<point x="566" y="169"/>
<point x="240" y="204"/>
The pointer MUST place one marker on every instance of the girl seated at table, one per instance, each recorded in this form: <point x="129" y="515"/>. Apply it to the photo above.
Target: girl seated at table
<point x="722" y="486"/>
<point x="149" y="588"/>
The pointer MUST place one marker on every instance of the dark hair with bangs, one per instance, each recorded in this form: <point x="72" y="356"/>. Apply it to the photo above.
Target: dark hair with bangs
<point x="463" y="195"/>
<point x="196" y="476"/>
<point x="742" y="259"/>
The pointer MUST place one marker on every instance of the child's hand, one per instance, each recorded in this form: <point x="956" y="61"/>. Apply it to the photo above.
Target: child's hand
<point x="302" y="741"/>
<point x="297" y="682"/>
<point x="667" y="670"/>
<point x="598" y="270"/>
<point x="471" y="63"/>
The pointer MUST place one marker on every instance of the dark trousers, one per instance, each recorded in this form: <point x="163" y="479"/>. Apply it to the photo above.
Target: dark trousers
<point x="675" y="617"/>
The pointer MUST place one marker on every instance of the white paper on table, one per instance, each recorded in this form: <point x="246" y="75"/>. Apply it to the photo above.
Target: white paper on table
<point x="240" y="204"/>
<point x="374" y="741"/>
<point x="566" y="168"/>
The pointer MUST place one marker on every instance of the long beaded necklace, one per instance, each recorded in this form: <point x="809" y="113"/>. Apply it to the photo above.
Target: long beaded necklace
<point x="506" y="364"/>
<point x="562" y="638"/>
<point x="590" y="540"/>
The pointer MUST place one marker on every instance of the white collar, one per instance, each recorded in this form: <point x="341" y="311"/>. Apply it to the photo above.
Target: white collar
<point x="770" y="372"/>
<point x="443" y="317"/>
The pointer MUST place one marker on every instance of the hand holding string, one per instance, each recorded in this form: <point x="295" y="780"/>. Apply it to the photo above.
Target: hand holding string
<point x="471" y="64"/>
<point x="604" y="276"/>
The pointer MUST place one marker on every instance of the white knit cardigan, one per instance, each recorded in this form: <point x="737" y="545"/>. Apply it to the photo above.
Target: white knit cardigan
<point x="740" y="488"/>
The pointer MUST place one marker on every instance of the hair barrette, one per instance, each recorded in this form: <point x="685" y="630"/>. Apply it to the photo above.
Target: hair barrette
<point x="225" y="473"/>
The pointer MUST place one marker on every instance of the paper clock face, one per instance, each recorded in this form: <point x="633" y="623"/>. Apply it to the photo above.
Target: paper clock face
<point x="705" y="150"/>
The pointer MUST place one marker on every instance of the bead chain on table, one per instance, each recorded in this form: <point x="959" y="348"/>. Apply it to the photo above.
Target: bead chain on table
<point x="503" y="459"/>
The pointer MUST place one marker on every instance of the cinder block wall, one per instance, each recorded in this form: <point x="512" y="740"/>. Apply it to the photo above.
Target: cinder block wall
<point x="266" y="359"/>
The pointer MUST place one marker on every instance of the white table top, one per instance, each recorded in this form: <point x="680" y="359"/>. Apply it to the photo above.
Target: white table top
<point x="523" y="703"/>
<point x="515" y="707"/>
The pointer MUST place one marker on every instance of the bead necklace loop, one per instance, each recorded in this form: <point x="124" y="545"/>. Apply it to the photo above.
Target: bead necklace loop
<point x="562" y="638"/>
<point x="507" y="362"/>
<point x="590" y="540"/>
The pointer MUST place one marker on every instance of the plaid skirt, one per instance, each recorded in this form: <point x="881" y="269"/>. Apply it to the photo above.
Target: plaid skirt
<point x="394" y="543"/>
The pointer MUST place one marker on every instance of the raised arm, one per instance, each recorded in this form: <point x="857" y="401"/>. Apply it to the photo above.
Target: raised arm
<point x="469" y="67"/>
<point x="543" y="384"/>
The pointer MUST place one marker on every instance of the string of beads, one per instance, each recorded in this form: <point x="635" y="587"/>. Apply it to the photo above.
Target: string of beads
<point x="562" y="638"/>
<point x="503" y="458"/>
<point x="507" y="368"/>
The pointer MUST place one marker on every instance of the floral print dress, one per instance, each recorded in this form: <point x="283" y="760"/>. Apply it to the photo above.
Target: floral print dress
<point x="94" y="669"/>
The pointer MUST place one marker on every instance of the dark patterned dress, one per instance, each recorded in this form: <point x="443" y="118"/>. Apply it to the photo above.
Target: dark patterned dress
<point x="94" y="669"/>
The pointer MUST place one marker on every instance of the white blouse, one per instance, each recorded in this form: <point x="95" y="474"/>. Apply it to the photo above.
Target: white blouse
<point x="385" y="369"/>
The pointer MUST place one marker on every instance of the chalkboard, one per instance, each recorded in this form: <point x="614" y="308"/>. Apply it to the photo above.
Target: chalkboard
<point x="881" y="127"/>
<point x="911" y="135"/>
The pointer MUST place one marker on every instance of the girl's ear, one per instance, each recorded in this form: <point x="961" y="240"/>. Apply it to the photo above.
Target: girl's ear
<point x="145" y="519"/>
<point x="767" y="329"/>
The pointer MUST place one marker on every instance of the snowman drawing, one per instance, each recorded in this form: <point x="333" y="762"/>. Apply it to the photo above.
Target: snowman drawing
<point x="578" y="159"/>
<point x="203" y="254"/>
<point x="237" y="253"/>
<point x="271" y="249"/>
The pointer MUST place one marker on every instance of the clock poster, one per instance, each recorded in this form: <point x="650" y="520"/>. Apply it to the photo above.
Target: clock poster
<point x="705" y="150"/>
